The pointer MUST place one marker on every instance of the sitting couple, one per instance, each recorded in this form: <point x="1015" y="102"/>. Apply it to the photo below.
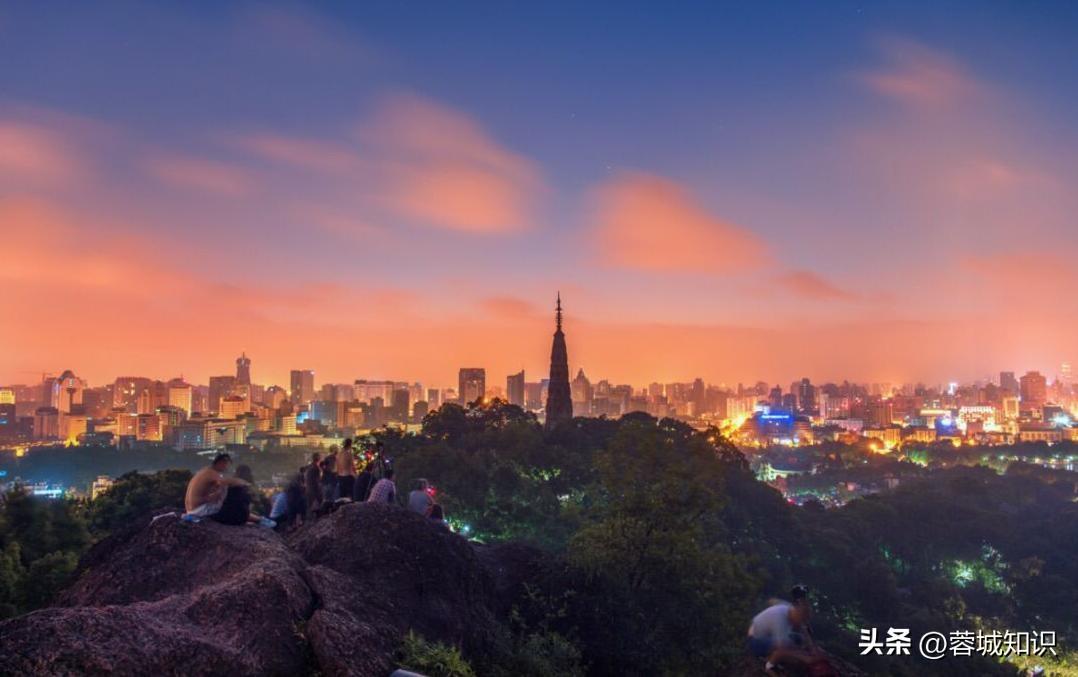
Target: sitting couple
<point x="223" y="499"/>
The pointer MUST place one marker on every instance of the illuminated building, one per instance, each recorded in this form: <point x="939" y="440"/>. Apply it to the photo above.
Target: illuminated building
<point x="47" y="423"/>
<point x="1034" y="389"/>
<point x="582" y="393"/>
<point x="434" y="398"/>
<point x="514" y="388"/>
<point x="220" y="388"/>
<point x="148" y="428"/>
<point x="880" y="413"/>
<point x="302" y="386"/>
<point x="472" y="384"/>
<point x="806" y="397"/>
<point x="534" y="396"/>
<point x="63" y="391"/>
<point x="180" y="395"/>
<point x="889" y="436"/>
<point x="288" y="425"/>
<point x="559" y="402"/>
<point x="126" y="390"/>
<point x="419" y="410"/>
<point x="1008" y="382"/>
<point x="209" y="433"/>
<point x="1040" y="432"/>
<point x="980" y="414"/>
<point x="73" y="427"/>
<point x="232" y="406"/>
<point x="243" y="370"/>
<point x="7" y="396"/>
<point x="100" y="486"/>
<point x="274" y="397"/>
<point x="919" y="434"/>
<point x="8" y="420"/>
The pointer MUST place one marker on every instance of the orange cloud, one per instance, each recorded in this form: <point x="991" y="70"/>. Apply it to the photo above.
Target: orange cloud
<point x="647" y="222"/>
<point x="508" y="307"/>
<point x="917" y="75"/>
<point x="200" y="174"/>
<point x="442" y="169"/>
<point x="809" y="285"/>
<point x="29" y="151"/>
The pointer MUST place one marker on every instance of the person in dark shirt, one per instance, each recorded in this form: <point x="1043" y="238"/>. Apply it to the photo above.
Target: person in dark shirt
<point x="312" y="477"/>
<point x="364" y="482"/>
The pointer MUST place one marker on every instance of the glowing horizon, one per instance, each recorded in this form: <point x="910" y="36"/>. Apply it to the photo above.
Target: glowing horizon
<point x="373" y="194"/>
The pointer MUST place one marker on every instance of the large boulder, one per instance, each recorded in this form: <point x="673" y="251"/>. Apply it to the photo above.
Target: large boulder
<point x="380" y="571"/>
<point x="172" y="598"/>
<point x="336" y="597"/>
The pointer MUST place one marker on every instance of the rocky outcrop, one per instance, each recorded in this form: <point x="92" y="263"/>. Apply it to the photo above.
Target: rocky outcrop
<point x="334" y="598"/>
<point x="379" y="571"/>
<point x="174" y="598"/>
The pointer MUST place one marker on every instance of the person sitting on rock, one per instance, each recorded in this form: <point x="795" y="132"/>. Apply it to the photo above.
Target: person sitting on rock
<point x="312" y="477"/>
<point x="437" y="518"/>
<point x="223" y="499"/>
<point x="384" y="491"/>
<point x="419" y="499"/>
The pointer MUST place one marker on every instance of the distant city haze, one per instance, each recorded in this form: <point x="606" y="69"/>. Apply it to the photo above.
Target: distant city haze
<point x="872" y="193"/>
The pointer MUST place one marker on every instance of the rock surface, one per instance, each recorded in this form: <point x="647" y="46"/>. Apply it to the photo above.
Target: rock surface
<point x="173" y="598"/>
<point x="335" y="598"/>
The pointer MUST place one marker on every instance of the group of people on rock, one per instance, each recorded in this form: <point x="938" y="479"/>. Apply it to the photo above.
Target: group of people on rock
<point x="319" y="488"/>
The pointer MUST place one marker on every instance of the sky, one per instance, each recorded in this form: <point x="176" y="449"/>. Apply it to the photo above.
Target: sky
<point x="737" y="191"/>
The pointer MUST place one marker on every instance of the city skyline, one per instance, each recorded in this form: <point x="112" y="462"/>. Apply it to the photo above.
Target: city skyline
<point x="841" y="192"/>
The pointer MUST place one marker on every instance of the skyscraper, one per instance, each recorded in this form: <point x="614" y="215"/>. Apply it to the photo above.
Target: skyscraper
<point x="243" y="370"/>
<point x="559" y="400"/>
<point x="1034" y="388"/>
<point x="472" y="382"/>
<point x="514" y="388"/>
<point x="302" y="387"/>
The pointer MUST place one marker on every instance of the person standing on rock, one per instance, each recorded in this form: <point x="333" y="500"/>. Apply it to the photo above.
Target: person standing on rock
<point x="385" y="491"/>
<point x="312" y="477"/>
<point x="363" y="484"/>
<point x="346" y="470"/>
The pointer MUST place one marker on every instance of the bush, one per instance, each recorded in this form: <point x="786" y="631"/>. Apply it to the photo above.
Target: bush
<point x="433" y="659"/>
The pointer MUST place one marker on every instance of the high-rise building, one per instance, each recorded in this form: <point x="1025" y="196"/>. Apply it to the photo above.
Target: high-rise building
<point x="7" y="396"/>
<point x="582" y="393"/>
<point x="302" y="387"/>
<point x="806" y="397"/>
<point x="400" y="404"/>
<point x="126" y="389"/>
<point x="1008" y="382"/>
<point x="243" y="370"/>
<point x="1034" y="389"/>
<point x="180" y="395"/>
<point x="472" y="384"/>
<point x="220" y="388"/>
<point x="232" y="406"/>
<point x="559" y="401"/>
<point x="514" y="388"/>
<point x="434" y="398"/>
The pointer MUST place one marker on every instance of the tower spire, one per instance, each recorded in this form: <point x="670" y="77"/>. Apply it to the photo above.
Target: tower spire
<point x="559" y="402"/>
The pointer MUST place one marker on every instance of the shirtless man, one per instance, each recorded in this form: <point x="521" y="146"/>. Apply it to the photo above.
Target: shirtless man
<point x="206" y="490"/>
